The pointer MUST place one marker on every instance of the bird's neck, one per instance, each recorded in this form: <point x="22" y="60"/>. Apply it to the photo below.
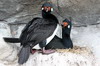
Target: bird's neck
<point x="46" y="14"/>
<point x="49" y="16"/>
<point x="66" y="33"/>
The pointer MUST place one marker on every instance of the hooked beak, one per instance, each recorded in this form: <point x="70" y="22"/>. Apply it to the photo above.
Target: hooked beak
<point x="64" y="24"/>
<point x="47" y="10"/>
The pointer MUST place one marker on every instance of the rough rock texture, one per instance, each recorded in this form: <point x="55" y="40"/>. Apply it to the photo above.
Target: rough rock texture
<point x="83" y="12"/>
<point x="88" y="36"/>
<point x="79" y="56"/>
<point x="14" y="14"/>
<point x="76" y="57"/>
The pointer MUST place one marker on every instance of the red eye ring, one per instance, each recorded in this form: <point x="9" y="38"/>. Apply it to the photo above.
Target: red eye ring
<point x="47" y="8"/>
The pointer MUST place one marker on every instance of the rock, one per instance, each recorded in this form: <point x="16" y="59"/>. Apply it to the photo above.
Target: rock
<point x="83" y="12"/>
<point x="8" y="52"/>
<point x="88" y="36"/>
<point x="79" y="56"/>
<point x="58" y="59"/>
<point x="4" y="29"/>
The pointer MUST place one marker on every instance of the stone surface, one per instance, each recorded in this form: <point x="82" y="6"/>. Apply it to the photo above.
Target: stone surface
<point x="83" y="12"/>
<point x="79" y="56"/>
<point x="61" y="58"/>
<point x="4" y="29"/>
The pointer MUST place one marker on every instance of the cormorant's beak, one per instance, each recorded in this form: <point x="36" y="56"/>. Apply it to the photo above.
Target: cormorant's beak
<point x="64" y="24"/>
<point x="47" y="10"/>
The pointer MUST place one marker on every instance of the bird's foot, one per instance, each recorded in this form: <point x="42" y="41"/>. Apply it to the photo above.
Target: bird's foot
<point x="48" y="51"/>
<point x="33" y="51"/>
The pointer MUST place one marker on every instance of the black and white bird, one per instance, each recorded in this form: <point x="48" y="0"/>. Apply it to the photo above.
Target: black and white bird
<point x="66" y="30"/>
<point x="38" y="30"/>
<point x="65" y="42"/>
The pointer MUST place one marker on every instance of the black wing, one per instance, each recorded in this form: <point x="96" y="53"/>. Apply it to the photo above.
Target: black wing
<point x="24" y="31"/>
<point x="29" y="24"/>
<point x="37" y="31"/>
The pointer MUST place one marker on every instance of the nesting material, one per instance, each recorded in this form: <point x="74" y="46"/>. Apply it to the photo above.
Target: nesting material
<point x="77" y="50"/>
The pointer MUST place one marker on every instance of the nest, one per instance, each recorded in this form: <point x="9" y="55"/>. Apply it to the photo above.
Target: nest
<point x="76" y="49"/>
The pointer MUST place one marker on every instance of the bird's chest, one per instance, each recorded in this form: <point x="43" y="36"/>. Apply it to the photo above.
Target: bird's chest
<point x="55" y="32"/>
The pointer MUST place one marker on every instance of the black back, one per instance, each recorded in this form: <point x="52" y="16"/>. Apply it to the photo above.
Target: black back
<point x="38" y="30"/>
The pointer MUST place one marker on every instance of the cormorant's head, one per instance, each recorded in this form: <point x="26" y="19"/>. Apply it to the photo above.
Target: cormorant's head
<point x="47" y="7"/>
<point x="66" y="23"/>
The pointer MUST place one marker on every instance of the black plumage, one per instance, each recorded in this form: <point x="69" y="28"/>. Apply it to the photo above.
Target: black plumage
<point x="65" y="41"/>
<point x="36" y="31"/>
<point x="56" y="43"/>
<point x="66" y="30"/>
<point x="11" y="40"/>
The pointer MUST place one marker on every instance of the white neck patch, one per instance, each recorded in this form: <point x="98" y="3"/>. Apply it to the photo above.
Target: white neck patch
<point x="52" y="36"/>
<point x="68" y="26"/>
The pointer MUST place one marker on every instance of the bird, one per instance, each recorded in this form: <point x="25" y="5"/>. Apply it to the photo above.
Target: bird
<point x="66" y="30"/>
<point x="38" y="30"/>
<point x="65" y="42"/>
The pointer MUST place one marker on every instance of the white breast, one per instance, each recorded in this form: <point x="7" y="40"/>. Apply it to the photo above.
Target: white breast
<point x="56" y="32"/>
<point x="52" y="36"/>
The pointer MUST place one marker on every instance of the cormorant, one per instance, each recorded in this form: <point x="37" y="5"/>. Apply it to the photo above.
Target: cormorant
<point x="38" y="30"/>
<point x="65" y="42"/>
<point x="66" y="30"/>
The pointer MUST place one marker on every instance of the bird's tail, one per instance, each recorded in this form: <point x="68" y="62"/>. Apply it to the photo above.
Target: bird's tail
<point x="23" y="55"/>
<point x="11" y="40"/>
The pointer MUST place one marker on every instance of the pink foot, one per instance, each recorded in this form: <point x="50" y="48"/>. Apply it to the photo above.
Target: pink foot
<point x="33" y="51"/>
<point x="48" y="51"/>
